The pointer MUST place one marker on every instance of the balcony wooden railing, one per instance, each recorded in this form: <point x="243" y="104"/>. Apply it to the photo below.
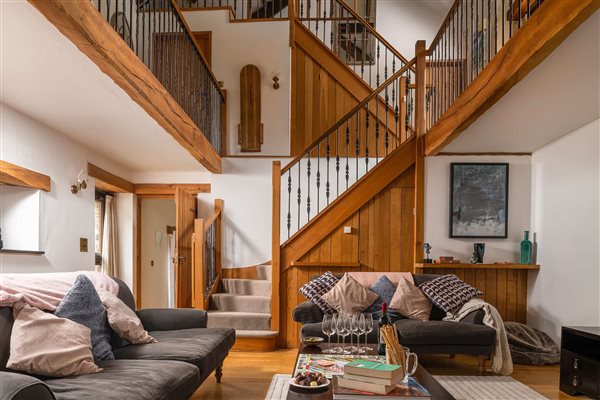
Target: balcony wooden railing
<point x="470" y="37"/>
<point x="242" y="9"/>
<point x="158" y="34"/>
<point x="206" y="255"/>
<point x="351" y="38"/>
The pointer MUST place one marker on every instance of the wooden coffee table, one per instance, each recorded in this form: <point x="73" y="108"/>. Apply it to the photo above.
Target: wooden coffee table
<point x="437" y="391"/>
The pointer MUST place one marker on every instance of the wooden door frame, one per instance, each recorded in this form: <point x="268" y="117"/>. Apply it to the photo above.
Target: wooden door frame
<point x="154" y="191"/>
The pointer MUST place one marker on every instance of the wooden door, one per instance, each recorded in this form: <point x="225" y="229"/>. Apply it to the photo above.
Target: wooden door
<point x="250" y="130"/>
<point x="204" y="40"/>
<point x="186" y="211"/>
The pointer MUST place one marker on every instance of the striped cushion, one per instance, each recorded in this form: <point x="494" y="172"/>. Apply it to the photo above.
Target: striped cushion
<point x="448" y="292"/>
<point x="316" y="288"/>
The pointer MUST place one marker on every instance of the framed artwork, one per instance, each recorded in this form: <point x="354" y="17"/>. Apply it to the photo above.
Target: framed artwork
<point x="478" y="200"/>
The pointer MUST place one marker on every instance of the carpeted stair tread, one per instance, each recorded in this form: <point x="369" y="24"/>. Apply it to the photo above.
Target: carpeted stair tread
<point x="240" y="302"/>
<point x="239" y="320"/>
<point x="247" y="286"/>
<point x="255" y="334"/>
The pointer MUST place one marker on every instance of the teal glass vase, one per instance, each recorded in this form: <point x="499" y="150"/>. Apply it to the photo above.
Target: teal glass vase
<point x="526" y="249"/>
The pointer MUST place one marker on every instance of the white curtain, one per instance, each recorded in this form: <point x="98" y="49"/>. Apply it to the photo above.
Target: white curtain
<point x="109" y="238"/>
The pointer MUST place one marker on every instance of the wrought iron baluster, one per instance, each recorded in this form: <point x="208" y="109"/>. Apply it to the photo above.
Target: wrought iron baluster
<point x="366" y="137"/>
<point x="357" y="142"/>
<point x="308" y="187"/>
<point x="318" y="176"/>
<point x="299" y="192"/>
<point x="347" y="151"/>
<point x="337" y="160"/>
<point x="377" y="129"/>
<point x="327" y="184"/>
<point x="289" y="213"/>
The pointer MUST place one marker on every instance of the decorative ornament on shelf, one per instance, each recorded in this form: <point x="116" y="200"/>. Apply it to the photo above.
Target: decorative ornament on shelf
<point x="526" y="250"/>
<point x="427" y="248"/>
<point x="478" y="252"/>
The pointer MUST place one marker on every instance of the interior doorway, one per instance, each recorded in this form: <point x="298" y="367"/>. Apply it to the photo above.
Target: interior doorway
<point x="158" y="219"/>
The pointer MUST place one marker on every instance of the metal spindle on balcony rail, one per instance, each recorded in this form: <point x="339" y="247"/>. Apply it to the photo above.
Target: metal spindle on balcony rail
<point x="156" y="32"/>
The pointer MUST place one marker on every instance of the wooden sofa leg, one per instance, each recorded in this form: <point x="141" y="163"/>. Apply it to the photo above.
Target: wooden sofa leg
<point x="452" y="355"/>
<point x="481" y="360"/>
<point x="219" y="373"/>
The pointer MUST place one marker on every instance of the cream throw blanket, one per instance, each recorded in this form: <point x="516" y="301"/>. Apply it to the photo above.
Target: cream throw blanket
<point x="501" y="359"/>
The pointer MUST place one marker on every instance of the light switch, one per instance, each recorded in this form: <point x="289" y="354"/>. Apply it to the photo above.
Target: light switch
<point x="83" y="245"/>
<point x="347" y="229"/>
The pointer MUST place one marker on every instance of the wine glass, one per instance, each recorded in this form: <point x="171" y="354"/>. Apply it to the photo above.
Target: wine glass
<point x="362" y="330"/>
<point x="354" y="329"/>
<point x="368" y="328"/>
<point x="328" y="329"/>
<point x="343" y="331"/>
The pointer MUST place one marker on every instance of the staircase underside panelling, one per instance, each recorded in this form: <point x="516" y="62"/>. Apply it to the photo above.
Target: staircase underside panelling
<point x="381" y="240"/>
<point x="323" y="90"/>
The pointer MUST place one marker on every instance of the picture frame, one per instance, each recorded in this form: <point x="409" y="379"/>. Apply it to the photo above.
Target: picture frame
<point x="479" y="200"/>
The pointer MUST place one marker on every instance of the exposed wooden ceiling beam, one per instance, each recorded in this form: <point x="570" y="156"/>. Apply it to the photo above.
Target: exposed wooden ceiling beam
<point x="14" y="175"/>
<point x="547" y="28"/>
<point x="81" y="23"/>
<point x="165" y="190"/>
<point x="109" y="182"/>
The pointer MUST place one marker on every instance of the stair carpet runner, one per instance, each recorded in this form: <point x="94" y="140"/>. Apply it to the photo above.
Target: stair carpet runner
<point x="244" y="305"/>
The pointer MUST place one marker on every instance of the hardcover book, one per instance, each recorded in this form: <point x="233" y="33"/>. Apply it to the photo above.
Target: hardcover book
<point x="412" y="390"/>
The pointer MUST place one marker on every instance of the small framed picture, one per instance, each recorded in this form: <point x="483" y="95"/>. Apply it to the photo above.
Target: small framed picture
<point x="479" y="200"/>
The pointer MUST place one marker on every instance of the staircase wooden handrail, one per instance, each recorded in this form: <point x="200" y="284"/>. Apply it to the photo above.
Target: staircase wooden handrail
<point x="189" y="32"/>
<point x="349" y="114"/>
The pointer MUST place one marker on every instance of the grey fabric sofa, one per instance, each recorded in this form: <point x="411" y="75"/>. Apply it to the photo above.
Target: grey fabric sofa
<point x="470" y="336"/>
<point x="172" y="369"/>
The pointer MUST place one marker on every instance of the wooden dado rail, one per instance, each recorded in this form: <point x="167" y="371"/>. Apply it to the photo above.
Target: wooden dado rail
<point x="503" y="285"/>
<point x="206" y="255"/>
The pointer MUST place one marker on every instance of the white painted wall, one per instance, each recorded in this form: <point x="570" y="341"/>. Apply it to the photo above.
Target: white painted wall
<point x="403" y="22"/>
<point x="126" y="230"/>
<point x="156" y="215"/>
<point x="437" y="205"/>
<point x="64" y="217"/>
<point x="565" y="216"/>
<point x="265" y="45"/>
<point x="245" y="187"/>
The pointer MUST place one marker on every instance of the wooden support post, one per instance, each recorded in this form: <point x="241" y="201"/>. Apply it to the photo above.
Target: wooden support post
<point x="224" y="125"/>
<point x="276" y="246"/>
<point x="292" y="18"/>
<point x="219" y="242"/>
<point x="421" y="54"/>
<point x="198" y="283"/>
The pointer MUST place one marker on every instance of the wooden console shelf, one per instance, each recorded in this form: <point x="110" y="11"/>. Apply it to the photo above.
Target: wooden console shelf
<point x="14" y="175"/>
<point x="326" y="264"/>
<point x="478" y="266"/>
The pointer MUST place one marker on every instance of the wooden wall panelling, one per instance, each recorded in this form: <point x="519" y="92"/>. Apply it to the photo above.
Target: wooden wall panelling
<point x="375" y="244"/>
<point x="504" y="288"/>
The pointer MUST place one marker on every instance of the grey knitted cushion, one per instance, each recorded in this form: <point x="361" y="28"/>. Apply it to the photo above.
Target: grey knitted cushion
<point x="385" y="289"/>
<point x="83" y="305"/>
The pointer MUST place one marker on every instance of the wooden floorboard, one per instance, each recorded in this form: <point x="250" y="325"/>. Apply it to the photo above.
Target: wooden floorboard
<point x="248" y="375"/>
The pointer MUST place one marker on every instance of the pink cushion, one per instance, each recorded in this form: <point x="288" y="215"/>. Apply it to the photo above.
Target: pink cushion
<point x="367" y="279"/>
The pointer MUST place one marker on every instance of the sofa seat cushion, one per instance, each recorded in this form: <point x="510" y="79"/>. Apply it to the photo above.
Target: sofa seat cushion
<point x="414" y="332"/>
<point x="131" y="380"/>
<point x="204" y="347"/>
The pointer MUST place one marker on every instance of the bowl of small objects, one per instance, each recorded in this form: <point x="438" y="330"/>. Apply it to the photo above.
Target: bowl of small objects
<point x="309" y="381"/>
<point x="312" y="341"/>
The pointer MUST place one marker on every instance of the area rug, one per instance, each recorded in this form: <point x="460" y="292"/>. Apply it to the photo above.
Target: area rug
<point x="461" y="387"/>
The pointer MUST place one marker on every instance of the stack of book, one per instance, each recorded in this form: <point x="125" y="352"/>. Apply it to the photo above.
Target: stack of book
<point x="367" y="380"/>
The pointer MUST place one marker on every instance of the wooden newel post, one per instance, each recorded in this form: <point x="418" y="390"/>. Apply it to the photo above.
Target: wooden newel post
<point x="198" y="280"/>
<point x="420" y="118"/>
<point x="219" y="241"/>
<point x="275" y="246"/>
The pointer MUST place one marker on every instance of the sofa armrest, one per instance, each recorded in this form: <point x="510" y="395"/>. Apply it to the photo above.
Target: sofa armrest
<point x="474" y="317"/>
<point x="307" y="313"/>
<point x="171" y="319"/>
<point x="15" y="386"/>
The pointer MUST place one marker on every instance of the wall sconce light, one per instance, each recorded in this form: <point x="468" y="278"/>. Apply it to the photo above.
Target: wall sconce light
<point x="81" y="182"/>
<point x="276" y="81"/>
